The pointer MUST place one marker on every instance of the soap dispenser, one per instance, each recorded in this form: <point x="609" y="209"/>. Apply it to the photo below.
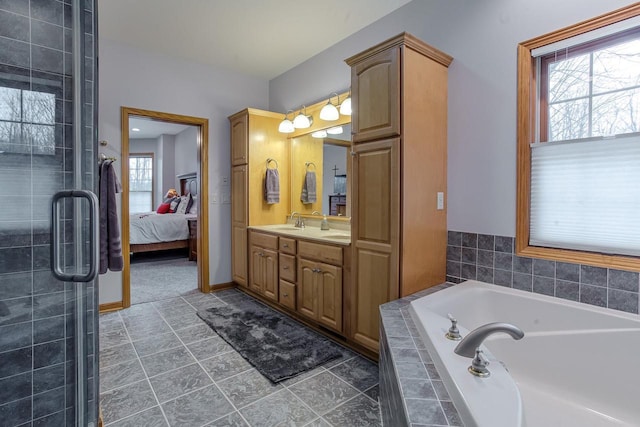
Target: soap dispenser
<point x="324" y="224"/>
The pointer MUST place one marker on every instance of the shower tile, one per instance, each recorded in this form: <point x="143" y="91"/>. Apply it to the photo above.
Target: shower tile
<point x="13" y="260"/>
<point x="15" y="285"/>
<point x="46" y="10"/>
<point x="441" y="390"/>
<point x="15" y="362"/>
<point x="15" y="336"/>
<point x="522" y="265"/>
<point x="413" y="388"/>
<point x="48" y="305"/>
<point x="281" y="408"/>
<point x="50" y="353"/>
<point x="544" y="285"/>
<point x="432" y="371"/>
<point x="48" y="402"/>
<point x="543" y="267"/>
<point x="593" y="275"/>
<point x="451" y="413"/>
<point x="18" y="411"/>
<point x="486" y="242"/>
<point x="454" y="253"/>
<point x="504" y="244"/>
<point x="468" y="271"/>
<point x="15" y="387"/>
<point x="13" y="52"/>
<point x="622" y="300"/>
<point x="485" y="274"/>
<point x="357" y="412"/>
<point x="425" y="411"/>
<point x="173" y="384"/>
<point x="358" y="372"/>
<point x="453" y="269"/>
<point x="454" y="238"/>
<point x="522" y="281"/>
<point x="49" y="329"/>
<point x="470" y="240"/>
<point x="14" y="26"/>
<point x="594" y="295"/>
<point x="46" y="34"/>
<point x="623" y="280"/>
<point x="567" y="271"/>
<point x="503" y="261"/>
<point x="567" y="290"/>
<point x="406" y="355"/>
<point x="48" y="378"/>
<point x="502" y="277"/>
<point x="485" y="258"/>
<point x="469" y="255"/>
<point x="15" y="6"/>
<point x="45" y="59"/>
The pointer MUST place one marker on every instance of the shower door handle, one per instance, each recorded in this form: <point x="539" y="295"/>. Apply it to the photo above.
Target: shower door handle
<point x="94" y="249"/>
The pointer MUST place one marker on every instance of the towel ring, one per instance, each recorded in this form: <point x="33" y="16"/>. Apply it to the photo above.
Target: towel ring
<point x="269" y="160"/>
<point x="307" y="164"/>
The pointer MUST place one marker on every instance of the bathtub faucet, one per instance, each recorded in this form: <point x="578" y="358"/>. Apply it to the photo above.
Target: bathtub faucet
<point x="467" y="347"/>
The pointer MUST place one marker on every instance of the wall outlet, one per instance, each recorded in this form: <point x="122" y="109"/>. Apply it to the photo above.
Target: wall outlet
<point x="224" y="181"/>
<point x="440" y="200"/>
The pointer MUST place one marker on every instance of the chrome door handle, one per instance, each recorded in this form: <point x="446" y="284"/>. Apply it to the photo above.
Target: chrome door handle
<point x="94" y="252"/>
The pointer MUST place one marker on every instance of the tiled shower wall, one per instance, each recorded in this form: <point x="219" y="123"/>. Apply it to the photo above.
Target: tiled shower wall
<point x="36" y="310"/>
<point x="492" y="259"/>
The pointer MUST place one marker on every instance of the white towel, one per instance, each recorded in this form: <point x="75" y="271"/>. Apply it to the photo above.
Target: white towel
<point x="272" y="186"/>
<point x="309" y="188"/>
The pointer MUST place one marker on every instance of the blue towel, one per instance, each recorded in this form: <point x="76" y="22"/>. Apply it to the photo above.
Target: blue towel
<point x="309" y="188"/>
<point x="272" y="186"/>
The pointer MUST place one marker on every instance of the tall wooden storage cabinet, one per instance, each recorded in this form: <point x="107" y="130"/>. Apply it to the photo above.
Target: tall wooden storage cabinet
<point x="254" y="139"/>
<point x="398" y="233"/>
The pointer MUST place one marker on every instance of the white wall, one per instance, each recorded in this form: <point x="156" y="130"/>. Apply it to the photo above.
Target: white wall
<point x="482" y="37"/>
<point x="186" y="152"/>
<point x="135" y="78"/>
<point x="167" y="171"/>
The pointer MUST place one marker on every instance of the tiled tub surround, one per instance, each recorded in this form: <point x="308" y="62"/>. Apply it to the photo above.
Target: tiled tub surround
<point x="411" y="391"/>
<point x="492" y="259"/>
<point x="160" y="365"/>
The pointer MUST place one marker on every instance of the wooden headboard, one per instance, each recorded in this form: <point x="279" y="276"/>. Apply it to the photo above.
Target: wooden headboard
<point x="188" y="183"/>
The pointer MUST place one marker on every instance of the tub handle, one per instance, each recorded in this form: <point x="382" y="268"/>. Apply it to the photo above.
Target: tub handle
<point x="479" y="365"/>
<point x="453" y="333"/>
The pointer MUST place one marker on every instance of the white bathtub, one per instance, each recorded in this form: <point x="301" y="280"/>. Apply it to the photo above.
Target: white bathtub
<point x="578" y="365"/>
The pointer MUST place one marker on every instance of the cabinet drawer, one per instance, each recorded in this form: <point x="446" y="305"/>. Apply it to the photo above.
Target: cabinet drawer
<point x="325" y="253"/>
<point x="288" y="294"/>
<point x="288" y="267"/>
<point x="266" y="241"/>
<point x="287" y="246"/>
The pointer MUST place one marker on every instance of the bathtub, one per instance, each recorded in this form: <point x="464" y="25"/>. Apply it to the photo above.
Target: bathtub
<point x="577" y="365"/>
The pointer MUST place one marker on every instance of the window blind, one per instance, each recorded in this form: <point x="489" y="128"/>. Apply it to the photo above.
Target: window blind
<point x="585" y="195"/>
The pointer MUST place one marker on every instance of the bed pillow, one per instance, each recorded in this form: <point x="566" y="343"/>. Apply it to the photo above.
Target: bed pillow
<point x="185" y="204"/>
<point x="163" y="208"/>
<point x="193" y="206"/>
<point x="175" y="202"/>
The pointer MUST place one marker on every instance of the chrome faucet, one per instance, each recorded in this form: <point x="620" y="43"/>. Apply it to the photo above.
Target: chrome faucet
<point x="467" y="347"/>
<point x="315" y="213"/>
<point x="299" y="222"/>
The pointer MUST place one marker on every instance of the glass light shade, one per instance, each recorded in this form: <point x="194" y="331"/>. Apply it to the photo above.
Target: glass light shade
<point x="335" y="130"/>
<point x="345" y="107"/>
<point x="319" y="134"/>
<point x="286" y="126"/>
<point x="329" y="112"/>
<point x="301" y="121"/>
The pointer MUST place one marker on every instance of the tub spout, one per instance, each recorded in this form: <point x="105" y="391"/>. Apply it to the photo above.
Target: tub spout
<point x="467" y="347"/>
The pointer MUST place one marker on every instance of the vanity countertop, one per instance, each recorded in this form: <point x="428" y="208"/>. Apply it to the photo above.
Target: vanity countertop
<point x="333" y="236"/>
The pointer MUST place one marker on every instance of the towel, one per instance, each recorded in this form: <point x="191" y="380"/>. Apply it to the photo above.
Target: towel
<point x="309" y="188"/>
<point x="272" y="186"/>
<point x="110" y="247"/>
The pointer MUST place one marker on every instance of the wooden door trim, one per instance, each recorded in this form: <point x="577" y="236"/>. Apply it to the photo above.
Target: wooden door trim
<point x="203" y="206"/>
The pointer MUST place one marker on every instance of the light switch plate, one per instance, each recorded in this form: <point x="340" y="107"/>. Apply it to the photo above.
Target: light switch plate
<point x="440" y="200"/>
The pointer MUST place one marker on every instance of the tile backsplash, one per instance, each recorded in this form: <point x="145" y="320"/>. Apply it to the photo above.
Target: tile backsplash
<point x="492" y="259"/>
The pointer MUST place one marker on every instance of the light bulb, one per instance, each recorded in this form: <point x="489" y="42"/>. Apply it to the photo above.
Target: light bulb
<point x="345" y="107"/>
<point x="286" y="126"/>
<point x="301" y="121"/>
<point x="329" y="112"/>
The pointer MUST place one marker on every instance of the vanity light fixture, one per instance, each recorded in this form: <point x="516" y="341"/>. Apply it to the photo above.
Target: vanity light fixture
<point x="329" y="112"/>
<point x="302" y="121"/>
<point x="345" y="107"/>
<point x="286" y="125"/>
<point x="319" y="134"/>
<point x="337" y="130"/>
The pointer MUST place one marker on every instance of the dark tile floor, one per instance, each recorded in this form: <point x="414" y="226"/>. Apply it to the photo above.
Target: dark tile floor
<point x="160" y="365"/>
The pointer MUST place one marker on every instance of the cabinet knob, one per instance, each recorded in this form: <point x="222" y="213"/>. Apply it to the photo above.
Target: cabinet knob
<point x="285" y="245"/>
<point x="285" y="294"/>
<point x="285" y="267"/>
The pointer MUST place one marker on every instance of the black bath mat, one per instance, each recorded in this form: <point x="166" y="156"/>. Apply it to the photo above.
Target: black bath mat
<point x="273" y="343"/>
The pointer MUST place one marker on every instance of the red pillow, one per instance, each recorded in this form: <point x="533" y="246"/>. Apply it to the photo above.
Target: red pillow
<point x="163" y="208"/>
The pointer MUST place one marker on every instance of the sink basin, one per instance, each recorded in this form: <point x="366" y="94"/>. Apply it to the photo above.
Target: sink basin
<point x="288" y="228"/>
<point x="337" y="236"/>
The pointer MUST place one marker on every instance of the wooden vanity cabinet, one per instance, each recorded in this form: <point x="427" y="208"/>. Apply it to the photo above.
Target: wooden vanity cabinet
<point x="263" y="261"/>
<point x="398" y="235"/>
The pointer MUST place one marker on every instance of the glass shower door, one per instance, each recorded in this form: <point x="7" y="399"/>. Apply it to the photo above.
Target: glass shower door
<point x="48" y="321"/>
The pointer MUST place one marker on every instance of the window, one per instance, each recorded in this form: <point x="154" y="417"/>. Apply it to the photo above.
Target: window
<point x="140" y="183"/>
<point x="27" y="121"/>
<point x="579" y="142"/>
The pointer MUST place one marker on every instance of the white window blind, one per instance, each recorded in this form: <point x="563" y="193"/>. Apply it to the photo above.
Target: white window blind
<point x="585" y="195"/>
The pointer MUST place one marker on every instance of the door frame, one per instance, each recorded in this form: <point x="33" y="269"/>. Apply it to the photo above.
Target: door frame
<point x="203" y="205"/>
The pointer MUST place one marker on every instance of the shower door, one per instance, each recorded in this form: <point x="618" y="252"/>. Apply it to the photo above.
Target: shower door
<point x="48" y="177"/>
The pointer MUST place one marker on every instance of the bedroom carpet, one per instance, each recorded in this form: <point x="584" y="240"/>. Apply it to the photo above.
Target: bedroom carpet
<point x="158" y="280"/>
<point x="276" y="345"/>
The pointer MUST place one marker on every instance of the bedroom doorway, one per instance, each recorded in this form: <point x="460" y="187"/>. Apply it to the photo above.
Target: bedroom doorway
<point x="169" y="251"/>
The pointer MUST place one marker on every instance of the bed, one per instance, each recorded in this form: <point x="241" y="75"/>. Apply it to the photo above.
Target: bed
<point x="151" y="231"/>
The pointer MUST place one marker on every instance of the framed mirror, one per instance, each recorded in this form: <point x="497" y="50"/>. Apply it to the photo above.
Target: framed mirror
<point x="320" y="169"/>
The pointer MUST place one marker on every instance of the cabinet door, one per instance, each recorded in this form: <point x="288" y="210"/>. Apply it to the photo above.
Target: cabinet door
<point x="239" y="140"/>
<point x="239" y="254"/>
<point x="270" y="271"/>
<point x="306" y="292"/>
<point x="375" y="91"/>
<point x="329" y="288"/>
<point x="257" y="278"/>
<point x="375" y="236"/>
<point x="239" y="199"/>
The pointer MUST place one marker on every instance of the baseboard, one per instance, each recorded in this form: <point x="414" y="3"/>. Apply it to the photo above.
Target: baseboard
<point x="221" y="286"/>
<point x="111" y="306"/>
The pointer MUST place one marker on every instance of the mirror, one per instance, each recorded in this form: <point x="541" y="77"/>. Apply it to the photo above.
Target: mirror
<point x="327" y="158"/>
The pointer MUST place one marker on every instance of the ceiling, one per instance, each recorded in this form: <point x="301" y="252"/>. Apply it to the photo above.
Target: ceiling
<point x="262" y="38"/>
<point x="150" y="129"/>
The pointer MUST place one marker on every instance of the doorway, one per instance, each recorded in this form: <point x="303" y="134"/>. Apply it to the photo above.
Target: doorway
<point x="193" y="185"/>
